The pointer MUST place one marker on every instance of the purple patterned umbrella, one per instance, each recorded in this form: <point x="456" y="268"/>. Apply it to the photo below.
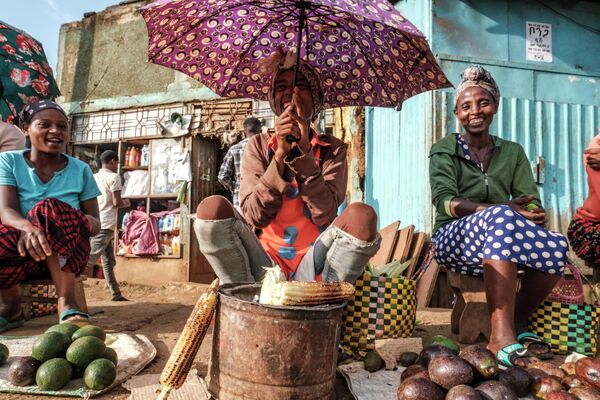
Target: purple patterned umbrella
<point x="365" y="51"/>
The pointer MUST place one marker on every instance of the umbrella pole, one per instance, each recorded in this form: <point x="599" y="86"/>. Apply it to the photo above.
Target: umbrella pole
<point x="302" y="5"/>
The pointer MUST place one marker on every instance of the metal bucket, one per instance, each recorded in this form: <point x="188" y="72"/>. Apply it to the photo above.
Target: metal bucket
<point x="272" y="353"/>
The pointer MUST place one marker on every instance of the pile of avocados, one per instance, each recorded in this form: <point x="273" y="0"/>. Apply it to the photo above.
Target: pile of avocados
<point x="64" y="352"/>
<point x="444" y="372"/>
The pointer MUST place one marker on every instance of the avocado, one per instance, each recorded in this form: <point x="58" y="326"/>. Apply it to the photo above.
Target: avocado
<point x="50" y="345"/>
<point x="418" y="388"/>
<point x="430" y="352"/>
<point x="462" y="392"/>
<point x="373" y="361"/>
<point x="588" y="369"/>
<point x="22" y="371"/>
<point x="89" y="330"/>
<point x="449" y="371"/>
<point x="111" y="354"/>
<point x="560" y="395"/>
<point x="494" y="390"/>
<point x="531" y="206"/>
<point x="85" y="350"/>
<point x="541" y="387"/>
<point x="53" y="374"/>
<point x="571" y="381"/>
<point x="585" y="393"/>
<point x="414" y="370"/>
<point x="408" y="358"/>
<point x="483" y="361"/>
<point x="100" y="374"/>
<point x="520" y="379"/>
<point x="4" y="353"/>
<point x="65" y="328"/>
<point x="445" y="341"/>
<point x="548" y="368"/>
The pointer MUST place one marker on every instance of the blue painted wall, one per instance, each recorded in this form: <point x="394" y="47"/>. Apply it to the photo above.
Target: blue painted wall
<point x="550" y="108"/>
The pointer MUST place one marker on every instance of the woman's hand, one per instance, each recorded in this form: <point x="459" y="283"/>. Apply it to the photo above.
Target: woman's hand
<point x="285" y="125"/>
<point x="593" y="158"/>
<point x="298" y="114"/>
<point x="94" y="224"/>
<point x="535" y="215"/>
<point x="33" y="242"/>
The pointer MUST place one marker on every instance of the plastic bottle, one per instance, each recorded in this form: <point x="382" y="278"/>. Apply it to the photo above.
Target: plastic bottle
<point x="175" y="245"/>
<point x="138" y="157"/>
<point x="144" y="161"/>
<point x="127" y="157"/>
<point x="134" y="157"/>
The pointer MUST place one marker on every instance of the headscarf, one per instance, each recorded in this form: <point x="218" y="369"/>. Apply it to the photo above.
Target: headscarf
<point x="476" y="75"/>
<point x="30" y="110"/>
<point x="279" y="62"/>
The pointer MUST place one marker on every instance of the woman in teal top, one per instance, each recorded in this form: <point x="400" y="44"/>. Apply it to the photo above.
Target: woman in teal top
<point x="48" y="210"/>
<point x="490" y="221"/>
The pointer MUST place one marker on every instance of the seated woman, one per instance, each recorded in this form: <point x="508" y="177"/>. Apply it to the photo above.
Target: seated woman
<point x="490" y="221"/>
<point x="48" y="210"/>
<point x="290" y="191"/>
<point x="584" y="230"/>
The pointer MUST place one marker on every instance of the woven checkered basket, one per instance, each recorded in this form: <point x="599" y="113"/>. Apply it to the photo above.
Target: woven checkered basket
<point x="567" y="327"/>
<point x="381" y="308"/>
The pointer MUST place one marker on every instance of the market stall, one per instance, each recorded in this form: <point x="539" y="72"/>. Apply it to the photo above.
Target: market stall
<point x="168" y="159"/>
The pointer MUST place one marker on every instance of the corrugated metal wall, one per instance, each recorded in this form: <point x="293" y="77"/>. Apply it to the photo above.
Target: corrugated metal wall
<point x="551" y="109"/>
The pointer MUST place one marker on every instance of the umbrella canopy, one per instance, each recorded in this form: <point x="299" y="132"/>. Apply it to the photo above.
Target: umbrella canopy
<point x="25" y="74"/>
<point x="365" y="51"/>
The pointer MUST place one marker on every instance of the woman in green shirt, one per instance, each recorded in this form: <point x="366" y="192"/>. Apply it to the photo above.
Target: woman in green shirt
<point x="490" y="221"/>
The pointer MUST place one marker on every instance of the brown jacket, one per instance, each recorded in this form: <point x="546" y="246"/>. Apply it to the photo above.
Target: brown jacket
<point x="322" y="187"/>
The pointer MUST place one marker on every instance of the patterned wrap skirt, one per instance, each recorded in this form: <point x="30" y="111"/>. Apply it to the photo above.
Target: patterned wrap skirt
<point x="67" y="230"/>
<point x="498" y="233"/>
<point x="584" y="236"/>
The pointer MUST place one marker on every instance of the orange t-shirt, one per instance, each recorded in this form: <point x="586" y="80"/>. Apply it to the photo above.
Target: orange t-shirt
<point x="590" y="210"/>
<point x="290" y="235"/>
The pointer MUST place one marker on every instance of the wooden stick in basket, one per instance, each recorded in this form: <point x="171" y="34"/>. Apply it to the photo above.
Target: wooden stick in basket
<point x="183" y="355"/>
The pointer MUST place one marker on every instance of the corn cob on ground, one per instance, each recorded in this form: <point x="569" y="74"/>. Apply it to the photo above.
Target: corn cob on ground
<point x="277" y="291"/>
<point x="180" y="362"/>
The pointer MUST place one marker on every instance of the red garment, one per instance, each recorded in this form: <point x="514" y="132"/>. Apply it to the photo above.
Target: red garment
<point x="590" y="210"/>
<point x="289" y="236"/>
<point x="67" y="231"/>
<point x="142" y="228"/>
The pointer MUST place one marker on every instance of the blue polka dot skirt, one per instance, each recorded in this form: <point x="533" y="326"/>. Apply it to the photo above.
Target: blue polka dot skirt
<point x="498" y="233"/>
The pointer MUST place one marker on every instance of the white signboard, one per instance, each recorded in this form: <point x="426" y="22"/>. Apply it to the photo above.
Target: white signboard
<point x="538" y="42"/>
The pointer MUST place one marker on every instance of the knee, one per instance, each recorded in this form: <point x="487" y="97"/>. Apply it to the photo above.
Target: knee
<point x="215" y="207"/>
<point x="358" y="220"/>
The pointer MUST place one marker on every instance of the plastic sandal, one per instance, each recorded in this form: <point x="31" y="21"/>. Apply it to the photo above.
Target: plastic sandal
<point x="72" y="312"/>
<point x="528" y="338"/>
<point x="509" y="354"/>
<point x="6" y="325"/>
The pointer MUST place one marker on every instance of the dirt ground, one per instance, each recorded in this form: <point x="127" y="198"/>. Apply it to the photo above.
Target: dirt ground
<point x="160" y="313"/>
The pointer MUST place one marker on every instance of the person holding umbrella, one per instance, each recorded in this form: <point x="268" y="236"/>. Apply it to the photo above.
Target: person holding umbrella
<point x="292" y="183"/>
<point x="48" y="210"/>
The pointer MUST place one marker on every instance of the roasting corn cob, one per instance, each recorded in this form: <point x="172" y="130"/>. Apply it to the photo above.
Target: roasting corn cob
<point x="277" y="291"/>
<point x="183" y="355"/>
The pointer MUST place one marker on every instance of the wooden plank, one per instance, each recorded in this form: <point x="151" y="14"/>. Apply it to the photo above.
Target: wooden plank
<point x="403" y="246"/>
<point x="416" y="248"/>
<point x="389" y="237"/>
<point x="426" y="285"/>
